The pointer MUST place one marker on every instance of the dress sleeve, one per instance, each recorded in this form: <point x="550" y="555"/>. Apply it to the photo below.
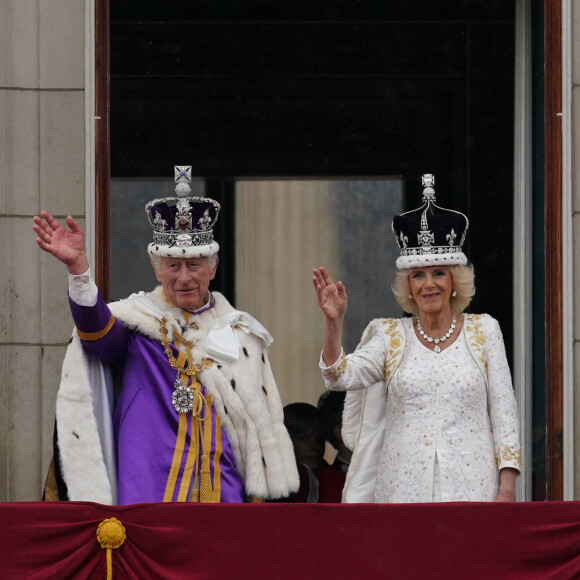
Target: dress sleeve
<point x="361" y="369"/>
<point x="503" y="411"/>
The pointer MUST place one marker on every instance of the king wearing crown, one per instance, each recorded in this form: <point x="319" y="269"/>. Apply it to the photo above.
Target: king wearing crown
<point x="195" y="415"/>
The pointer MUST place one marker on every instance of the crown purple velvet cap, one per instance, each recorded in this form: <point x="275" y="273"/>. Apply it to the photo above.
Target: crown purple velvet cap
<point x="182" y="225"/>
<point x="430" y="235"/>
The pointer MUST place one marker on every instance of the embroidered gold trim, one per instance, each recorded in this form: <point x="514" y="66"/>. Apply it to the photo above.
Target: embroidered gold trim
<point x="340" y="369"/>
<point x="476" y="336"/>
<point x="97" y="335"/>
<point x="509" y="454"/>
<point x="394" y="345"/>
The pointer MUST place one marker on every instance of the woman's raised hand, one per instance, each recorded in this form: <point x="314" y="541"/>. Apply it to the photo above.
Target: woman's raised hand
<point x="66" y="245"/>
<point x="332" y="297"/>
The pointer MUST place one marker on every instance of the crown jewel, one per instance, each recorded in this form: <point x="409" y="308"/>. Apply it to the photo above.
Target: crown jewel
<point x="183" y="225"/>
<point x="439" y="232"/>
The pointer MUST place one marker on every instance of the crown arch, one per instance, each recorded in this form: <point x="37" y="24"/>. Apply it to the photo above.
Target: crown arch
<point x="360" y="111"/>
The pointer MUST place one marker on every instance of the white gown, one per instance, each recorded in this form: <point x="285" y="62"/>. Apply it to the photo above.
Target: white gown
<point x="448" y="428"/>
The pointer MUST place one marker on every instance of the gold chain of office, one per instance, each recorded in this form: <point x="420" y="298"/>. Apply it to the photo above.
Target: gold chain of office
<point x="191" y="369"/>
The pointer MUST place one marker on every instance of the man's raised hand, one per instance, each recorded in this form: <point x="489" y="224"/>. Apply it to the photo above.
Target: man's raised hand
<point x="66" y="245"/>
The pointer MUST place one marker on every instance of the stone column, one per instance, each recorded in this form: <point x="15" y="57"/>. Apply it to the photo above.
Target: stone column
<point x="42" y="161"/>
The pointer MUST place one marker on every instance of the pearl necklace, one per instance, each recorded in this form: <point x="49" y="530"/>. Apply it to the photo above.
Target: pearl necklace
<point x="428" y="338"/>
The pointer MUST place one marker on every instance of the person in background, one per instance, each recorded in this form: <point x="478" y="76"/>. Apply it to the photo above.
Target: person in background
<point x="319" y="482"/>
<point x="430" y="412"/>
<point x="198" y="416"/>
<point x="330" y="408"/>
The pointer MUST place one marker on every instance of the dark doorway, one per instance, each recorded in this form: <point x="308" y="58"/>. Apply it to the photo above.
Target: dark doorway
<point x="319" y="89"/>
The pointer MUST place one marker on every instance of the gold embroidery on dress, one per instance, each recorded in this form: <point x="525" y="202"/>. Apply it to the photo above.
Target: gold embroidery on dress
<point x="477" y="337"/>
<point x="334" y="374"/>
<point x="394" y="344"/>
<point x="510" y="454"/>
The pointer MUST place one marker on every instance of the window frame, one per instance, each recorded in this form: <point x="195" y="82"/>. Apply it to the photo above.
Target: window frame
<point x="553" y="204"/>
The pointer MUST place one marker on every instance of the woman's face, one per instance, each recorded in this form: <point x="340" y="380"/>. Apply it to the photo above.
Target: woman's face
<point x="431" y="288"/>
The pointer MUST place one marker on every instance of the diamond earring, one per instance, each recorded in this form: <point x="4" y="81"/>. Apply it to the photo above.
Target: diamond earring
<point x="454" y="294"/>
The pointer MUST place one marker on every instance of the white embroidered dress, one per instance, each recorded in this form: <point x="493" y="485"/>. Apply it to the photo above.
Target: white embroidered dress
<point x="437" y="427"/>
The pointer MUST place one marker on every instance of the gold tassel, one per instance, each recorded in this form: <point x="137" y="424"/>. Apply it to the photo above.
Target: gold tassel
<point x="111" y="535"/>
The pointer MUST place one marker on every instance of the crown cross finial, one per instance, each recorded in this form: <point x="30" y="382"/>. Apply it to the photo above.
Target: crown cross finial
<point x="182" y="173"/>
<point x="182" y="180"/>
<point x="428" y="181"/>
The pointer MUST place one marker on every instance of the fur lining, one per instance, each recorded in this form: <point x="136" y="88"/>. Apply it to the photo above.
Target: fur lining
<point x="79" y="442"/>
<point x="244" y="393"/>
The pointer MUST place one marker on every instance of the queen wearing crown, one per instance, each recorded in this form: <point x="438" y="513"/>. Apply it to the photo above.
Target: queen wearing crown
<point x="430" y="412"/>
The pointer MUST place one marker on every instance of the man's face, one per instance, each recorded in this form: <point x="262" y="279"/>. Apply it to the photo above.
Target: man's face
<point x="186" y="280"/>
<point x="309" y="447"/>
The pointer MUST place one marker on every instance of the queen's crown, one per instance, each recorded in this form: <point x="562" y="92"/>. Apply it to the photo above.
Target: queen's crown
<point x="430" y="235"/>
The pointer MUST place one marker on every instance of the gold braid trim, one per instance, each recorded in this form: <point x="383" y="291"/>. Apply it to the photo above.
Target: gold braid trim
<point x="217" y="471"/>
<point x="190" y="461"/>
<point x="205" y="485"/>
<point x="177" y="456"/>
<point x="97" y="335"/>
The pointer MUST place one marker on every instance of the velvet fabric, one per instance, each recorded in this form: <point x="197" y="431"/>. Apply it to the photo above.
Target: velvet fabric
<point x="519" y="541"/>
<point x="145" y="454"/>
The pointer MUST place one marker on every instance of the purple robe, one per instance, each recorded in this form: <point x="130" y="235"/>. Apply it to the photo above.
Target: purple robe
<point x="145" y="423"/>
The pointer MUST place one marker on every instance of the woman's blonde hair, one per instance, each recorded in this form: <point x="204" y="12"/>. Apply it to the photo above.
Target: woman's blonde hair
<point x="463" y="284"/>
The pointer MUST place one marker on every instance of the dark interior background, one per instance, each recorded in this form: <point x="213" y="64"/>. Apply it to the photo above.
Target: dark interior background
<point x="329" y="89"/>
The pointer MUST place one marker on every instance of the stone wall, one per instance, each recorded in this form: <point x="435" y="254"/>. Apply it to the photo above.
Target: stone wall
<point x="42" y="166"/>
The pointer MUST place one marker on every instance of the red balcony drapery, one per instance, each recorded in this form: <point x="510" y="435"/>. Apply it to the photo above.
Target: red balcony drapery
<point x="290" y="541"/>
